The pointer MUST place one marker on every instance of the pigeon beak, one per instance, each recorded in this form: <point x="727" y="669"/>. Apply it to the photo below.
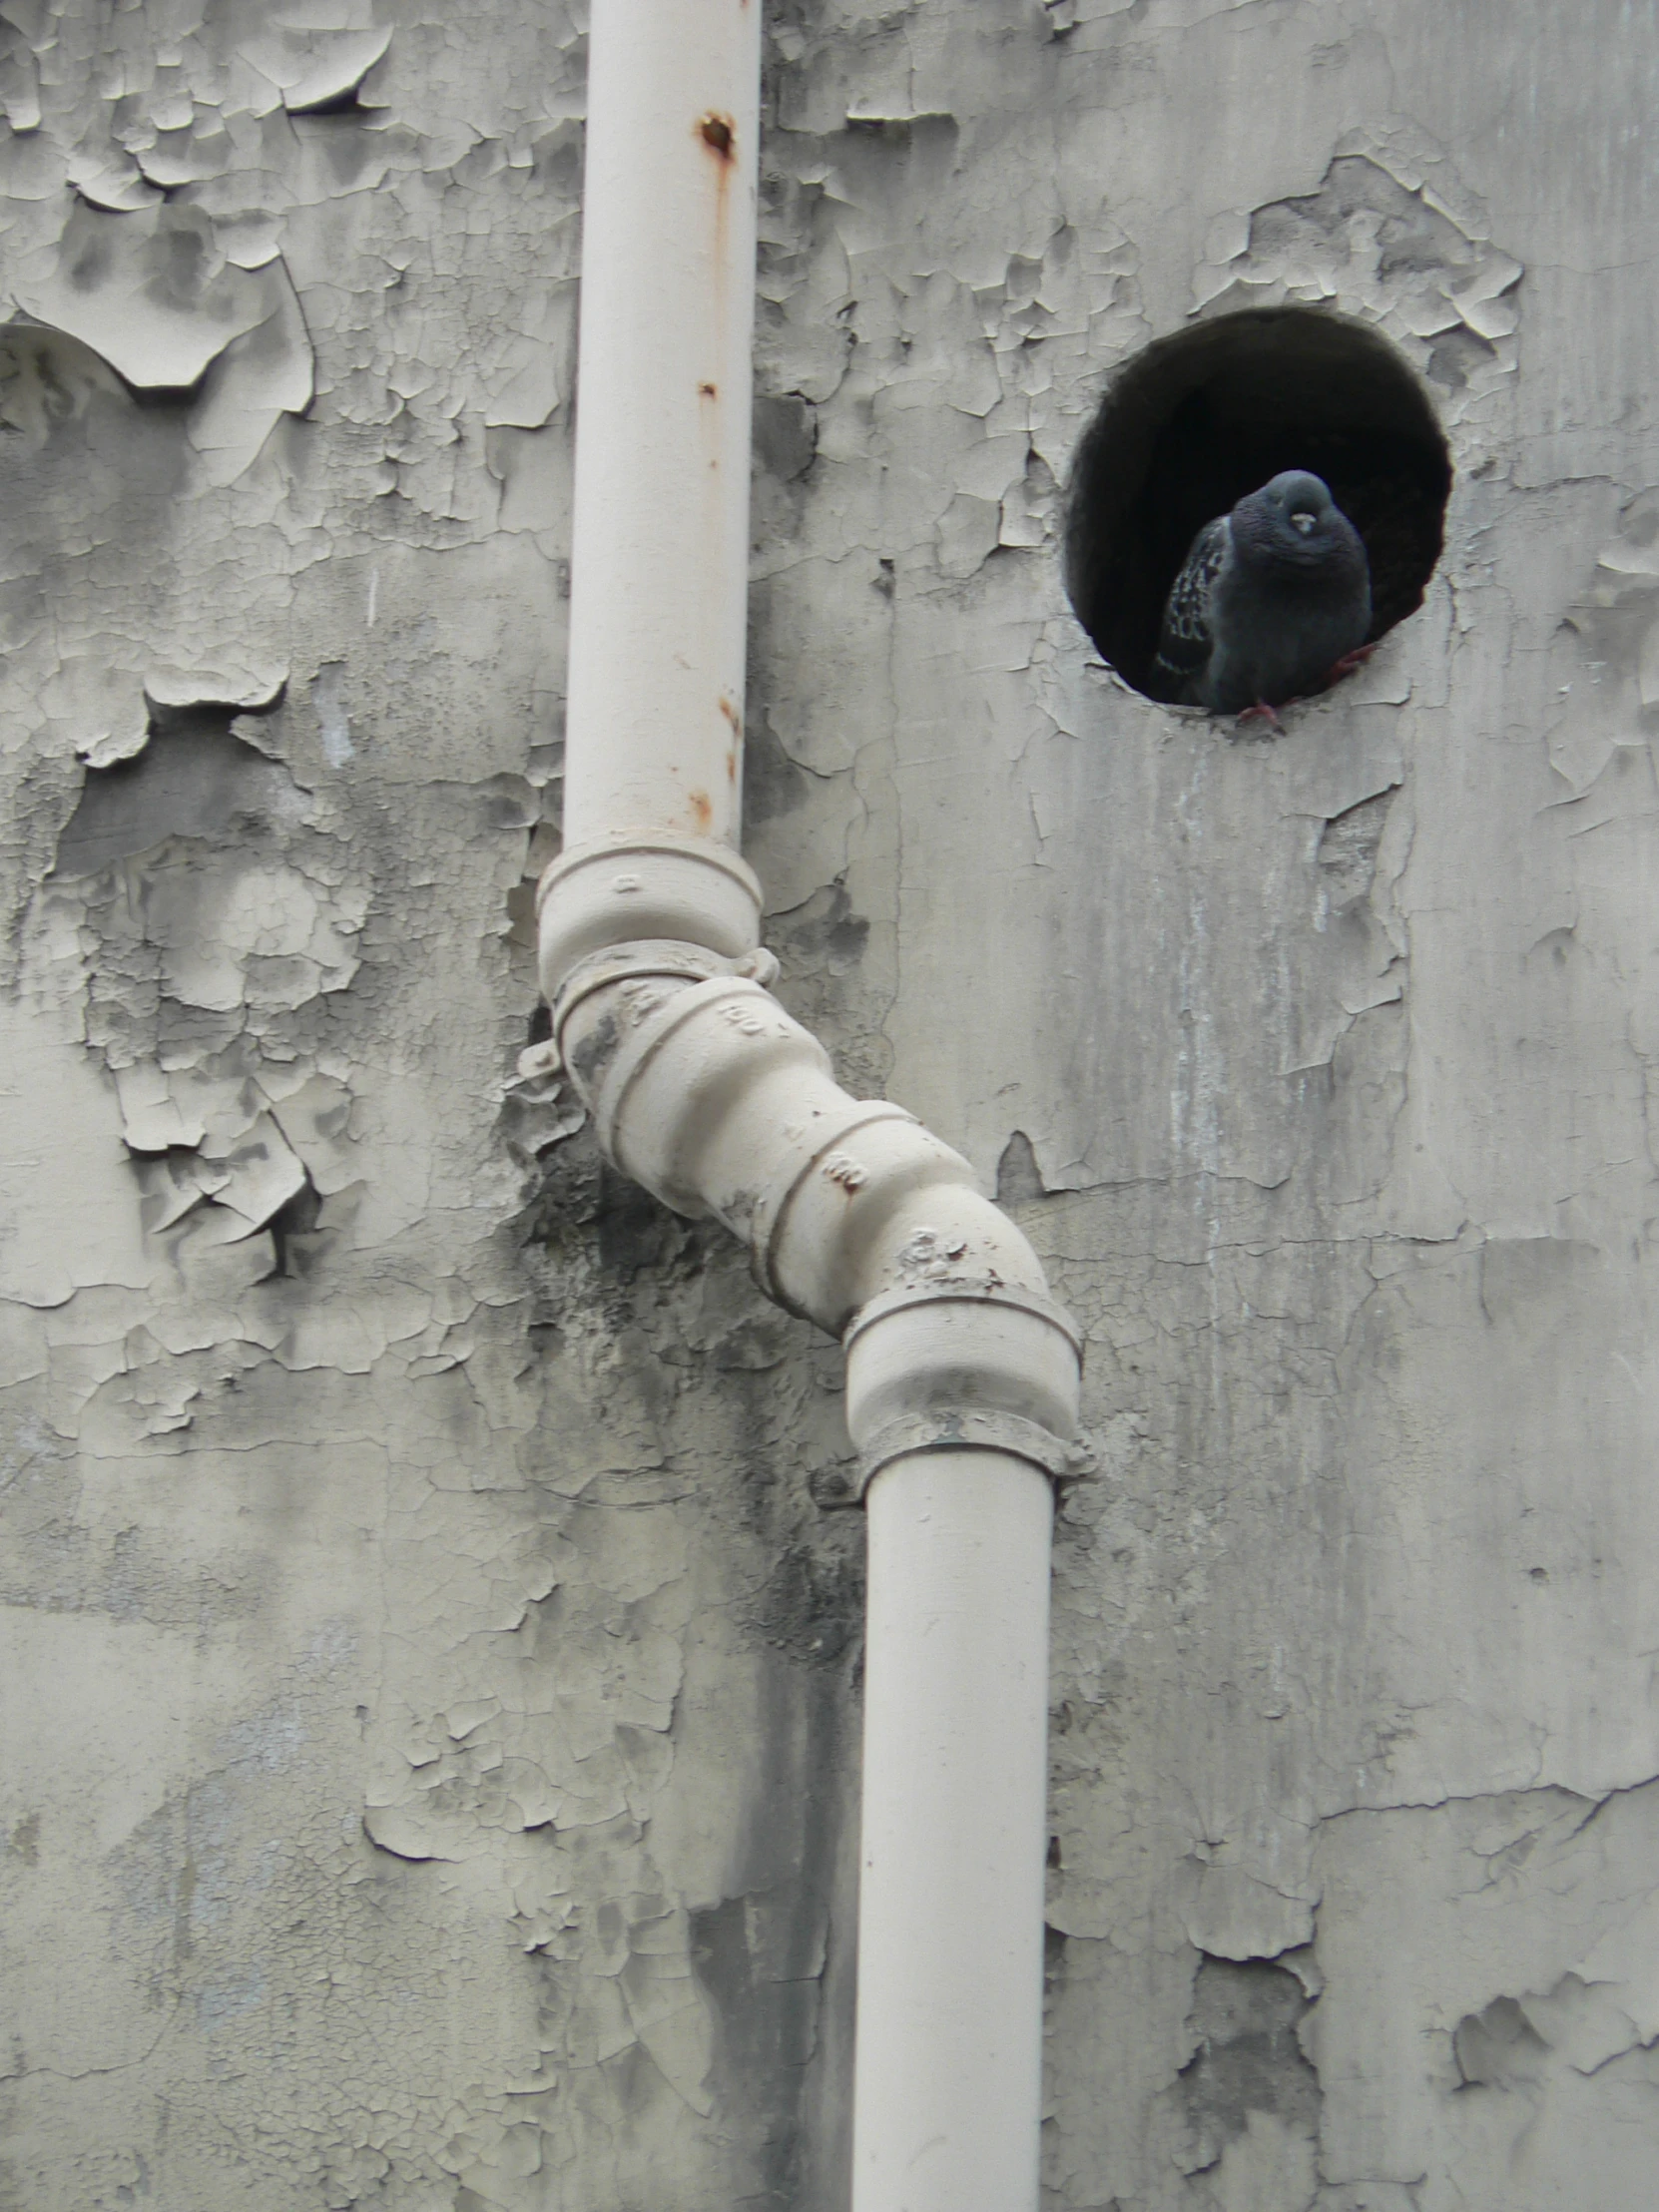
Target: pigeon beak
<point x="1302" y="522"/>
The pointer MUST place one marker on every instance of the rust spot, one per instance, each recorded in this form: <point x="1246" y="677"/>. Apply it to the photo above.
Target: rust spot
<point x="719" y="131"/>
<point x="707" y="391"/>
<point x="703" y="814"/>
<point x="730" y="764"/>
<point x="731" y="715"/>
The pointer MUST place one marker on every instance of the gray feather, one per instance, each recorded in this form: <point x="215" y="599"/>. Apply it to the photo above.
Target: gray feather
<point x="1184" y="642"/>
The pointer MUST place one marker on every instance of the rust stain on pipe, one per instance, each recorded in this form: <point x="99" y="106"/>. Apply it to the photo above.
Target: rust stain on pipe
<point x="719" y="133"/>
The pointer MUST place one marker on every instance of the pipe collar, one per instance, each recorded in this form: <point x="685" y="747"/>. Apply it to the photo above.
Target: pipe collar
<point x="944" y="1363"/>
<point x="638" y="885"/>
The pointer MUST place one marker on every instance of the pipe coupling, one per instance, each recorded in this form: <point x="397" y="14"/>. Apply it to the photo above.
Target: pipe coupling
<point x="644" y="884"/>
<point x="947" y="1365"/>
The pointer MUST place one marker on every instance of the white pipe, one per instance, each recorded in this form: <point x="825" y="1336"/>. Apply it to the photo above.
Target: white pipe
<point x="664" y="399"/>
<point x="961" y="1373"/>
<point x="961" y="1396"/>
<point x="949" y="2079"/>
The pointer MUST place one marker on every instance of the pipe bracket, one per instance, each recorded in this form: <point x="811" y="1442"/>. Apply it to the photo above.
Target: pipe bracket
<point x="1010" y="1434"/>
<point x="669" y="958"/>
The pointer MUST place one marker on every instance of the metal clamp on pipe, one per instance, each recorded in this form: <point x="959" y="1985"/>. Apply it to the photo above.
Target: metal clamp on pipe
<point x="1007" y="1434"/>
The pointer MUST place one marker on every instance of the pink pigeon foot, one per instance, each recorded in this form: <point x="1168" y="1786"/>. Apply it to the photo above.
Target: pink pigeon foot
<point x="1349" y="662"/>
<point x="1262" y="712"/>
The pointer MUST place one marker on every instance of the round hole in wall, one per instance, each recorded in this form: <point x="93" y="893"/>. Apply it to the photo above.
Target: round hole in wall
<point x="1195" y="421"/>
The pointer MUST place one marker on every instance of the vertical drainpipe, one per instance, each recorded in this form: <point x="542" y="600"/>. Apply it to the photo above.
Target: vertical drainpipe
<point x="962" y="1374"/>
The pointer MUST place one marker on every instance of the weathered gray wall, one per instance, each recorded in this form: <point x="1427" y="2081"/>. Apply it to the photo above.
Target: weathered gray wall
<point x="429" y="1677"/>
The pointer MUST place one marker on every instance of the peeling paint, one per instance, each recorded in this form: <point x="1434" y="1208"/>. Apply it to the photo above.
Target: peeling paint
<point x="432" y="1678"/>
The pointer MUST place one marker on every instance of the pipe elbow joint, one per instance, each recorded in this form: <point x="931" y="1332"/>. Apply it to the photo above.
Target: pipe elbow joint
<point x="704" y="1089"/>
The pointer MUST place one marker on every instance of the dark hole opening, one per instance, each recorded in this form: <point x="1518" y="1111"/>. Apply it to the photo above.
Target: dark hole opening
<point x="1196" y="422"/>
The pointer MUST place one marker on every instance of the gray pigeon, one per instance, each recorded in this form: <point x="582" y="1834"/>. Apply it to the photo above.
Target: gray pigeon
<point x="1272" y="601"/>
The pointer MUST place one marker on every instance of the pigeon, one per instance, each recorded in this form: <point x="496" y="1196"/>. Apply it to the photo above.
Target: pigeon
<point x="1272" y="601"/>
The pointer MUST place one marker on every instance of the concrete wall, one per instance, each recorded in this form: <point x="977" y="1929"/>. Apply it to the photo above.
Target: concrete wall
<point x="430" y="1672"/>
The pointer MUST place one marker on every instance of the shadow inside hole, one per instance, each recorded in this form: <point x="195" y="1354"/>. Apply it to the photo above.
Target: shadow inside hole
<point x="1197" y="420"/>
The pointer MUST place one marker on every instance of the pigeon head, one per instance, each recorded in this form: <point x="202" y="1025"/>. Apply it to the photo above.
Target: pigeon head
<point x="1293" y="522"/>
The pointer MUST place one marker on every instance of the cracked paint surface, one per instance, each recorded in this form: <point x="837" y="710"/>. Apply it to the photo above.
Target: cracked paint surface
<point x="431" y="1667"/>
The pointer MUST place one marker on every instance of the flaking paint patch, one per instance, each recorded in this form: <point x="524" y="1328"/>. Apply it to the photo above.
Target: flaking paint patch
<point x="436" y="1716"/>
